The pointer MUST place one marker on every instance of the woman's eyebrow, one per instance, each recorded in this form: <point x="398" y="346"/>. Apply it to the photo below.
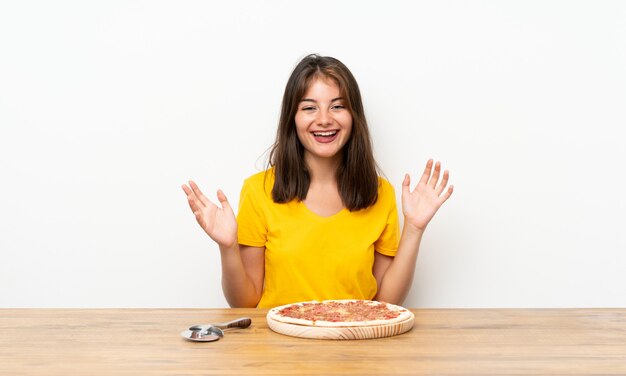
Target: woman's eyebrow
<point x="314" y="101"/>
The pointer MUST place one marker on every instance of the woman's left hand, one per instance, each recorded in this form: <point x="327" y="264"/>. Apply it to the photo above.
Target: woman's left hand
<point x="420" y="205"/>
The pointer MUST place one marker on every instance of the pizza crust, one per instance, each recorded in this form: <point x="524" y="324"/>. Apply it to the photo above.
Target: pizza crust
<point x="404" y="314"/>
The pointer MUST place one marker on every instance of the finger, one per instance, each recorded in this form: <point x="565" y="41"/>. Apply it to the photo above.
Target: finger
<point x="426" y="174"/>
<point x="187" y="190"/>
<point x="444" y="182"/>
<point x="193" y="201"/>
<point x="448" y="193"/>
<point x="223" y="200"/>
<point x="435" y="178"/>
<point x="406" y="184"/>
<point x="196" y="190"/>
<point x="191" y="198"/>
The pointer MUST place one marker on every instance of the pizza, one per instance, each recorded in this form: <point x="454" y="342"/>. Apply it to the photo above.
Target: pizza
<point x="340" y="313"/>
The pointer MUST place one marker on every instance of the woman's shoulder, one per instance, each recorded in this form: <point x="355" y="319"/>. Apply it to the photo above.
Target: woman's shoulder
<point x="260" y="182"/>
<point x="386" y="193"/>
<point x="384" y="186"/>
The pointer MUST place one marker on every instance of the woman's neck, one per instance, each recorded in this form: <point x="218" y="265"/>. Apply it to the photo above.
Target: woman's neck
<point x="323" y="196"/>
<point x="323" y="170"/>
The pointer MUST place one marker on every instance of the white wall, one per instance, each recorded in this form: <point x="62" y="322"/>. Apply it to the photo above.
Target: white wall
<point x="106" y="108"/>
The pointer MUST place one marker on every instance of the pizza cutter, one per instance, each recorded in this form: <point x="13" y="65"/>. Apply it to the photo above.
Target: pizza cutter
<point x="213" y="332"/>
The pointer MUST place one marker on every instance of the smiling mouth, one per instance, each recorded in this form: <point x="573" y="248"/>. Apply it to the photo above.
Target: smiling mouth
<point x="326" y="137"/>
<point x="325" y="134"/>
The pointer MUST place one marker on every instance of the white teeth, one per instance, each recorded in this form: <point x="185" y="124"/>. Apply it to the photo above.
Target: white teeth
<point x="324" y="134"/>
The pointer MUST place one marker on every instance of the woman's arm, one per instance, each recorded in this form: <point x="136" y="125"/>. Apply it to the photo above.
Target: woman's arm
<point x="395" y="274"/>
<point x="243" y="267"/>
<point x="243" y="270"/>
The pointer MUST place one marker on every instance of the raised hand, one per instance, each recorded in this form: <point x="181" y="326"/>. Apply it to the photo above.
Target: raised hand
<point x="219" y="223"/>
<point x="420" y="205"/>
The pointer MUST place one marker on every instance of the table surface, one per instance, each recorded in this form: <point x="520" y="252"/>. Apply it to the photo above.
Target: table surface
<point x="442" y="342"/>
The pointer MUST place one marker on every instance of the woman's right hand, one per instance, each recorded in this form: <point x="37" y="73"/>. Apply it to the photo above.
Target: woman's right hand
<point x="219" y="223"/>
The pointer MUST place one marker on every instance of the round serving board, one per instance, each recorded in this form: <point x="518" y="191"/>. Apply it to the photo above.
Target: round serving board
<point x="346" y="332"/>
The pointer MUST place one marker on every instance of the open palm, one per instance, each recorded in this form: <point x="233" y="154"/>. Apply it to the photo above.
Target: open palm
<point x="218" y="222"/>
<point x="420" y="205"/>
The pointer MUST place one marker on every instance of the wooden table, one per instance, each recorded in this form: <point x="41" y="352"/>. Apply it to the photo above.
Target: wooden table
<point x="443" y="342"/>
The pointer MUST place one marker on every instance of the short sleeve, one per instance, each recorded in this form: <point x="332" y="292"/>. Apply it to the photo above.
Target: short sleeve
<point x="387" y="243"/>
<point x="251" y="221"/>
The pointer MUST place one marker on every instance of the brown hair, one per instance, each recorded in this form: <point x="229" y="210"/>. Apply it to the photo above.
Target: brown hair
<point x="357" y="176"/>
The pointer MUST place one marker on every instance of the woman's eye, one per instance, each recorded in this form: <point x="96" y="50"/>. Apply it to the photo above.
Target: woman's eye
<point x="308" y="108"/>
<point x="339" y="107"/>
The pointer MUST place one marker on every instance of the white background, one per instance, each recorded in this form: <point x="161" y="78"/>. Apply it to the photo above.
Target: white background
<point x="106" y="108"/>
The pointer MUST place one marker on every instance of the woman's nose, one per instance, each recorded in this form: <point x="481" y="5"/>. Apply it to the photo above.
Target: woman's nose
<point x="323" y="118"/>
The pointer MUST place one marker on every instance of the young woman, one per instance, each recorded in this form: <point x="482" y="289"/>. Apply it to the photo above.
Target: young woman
<point x="320" y="223"/>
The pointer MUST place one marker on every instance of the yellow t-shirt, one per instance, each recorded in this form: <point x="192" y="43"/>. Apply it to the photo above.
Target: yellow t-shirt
<point x="309" y="257"/>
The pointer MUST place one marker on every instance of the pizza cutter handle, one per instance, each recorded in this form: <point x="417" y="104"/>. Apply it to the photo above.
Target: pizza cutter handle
<point x="242" y="322"/>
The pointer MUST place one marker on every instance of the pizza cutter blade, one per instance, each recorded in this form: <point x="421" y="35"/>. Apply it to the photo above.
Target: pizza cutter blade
<point x="198" y="336"/>
<point x="206" y="330"/>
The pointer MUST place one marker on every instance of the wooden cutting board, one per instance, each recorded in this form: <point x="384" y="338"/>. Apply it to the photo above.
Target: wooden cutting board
<point x="347" y="332"/>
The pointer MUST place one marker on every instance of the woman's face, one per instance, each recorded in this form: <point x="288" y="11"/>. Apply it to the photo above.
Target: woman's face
<point x="323" y="122"/>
